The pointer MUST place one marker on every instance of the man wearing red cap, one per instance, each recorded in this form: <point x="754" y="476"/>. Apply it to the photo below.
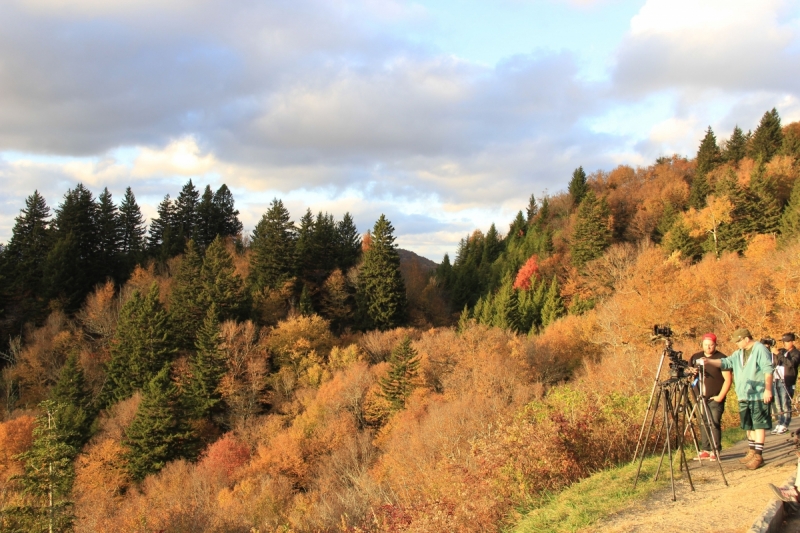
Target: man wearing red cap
<point x="715" y="385"/>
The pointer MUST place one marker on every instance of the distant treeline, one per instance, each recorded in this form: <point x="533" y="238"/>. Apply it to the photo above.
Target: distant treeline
<point x="55" y="261"/>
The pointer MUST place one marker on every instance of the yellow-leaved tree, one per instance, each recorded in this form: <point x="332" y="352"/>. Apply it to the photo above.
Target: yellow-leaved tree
<point x="708" y="220"/>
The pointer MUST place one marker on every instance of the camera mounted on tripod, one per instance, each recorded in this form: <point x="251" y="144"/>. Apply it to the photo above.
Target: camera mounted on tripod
<point x="677" y="365"/>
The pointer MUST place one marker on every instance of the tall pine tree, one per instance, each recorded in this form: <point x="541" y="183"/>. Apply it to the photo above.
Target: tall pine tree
<point x="273" y="245"/>
<point x="76" y="413"/>
<point x="221" y="286"/>
<point x="577" y="186"/>
<point x="399" y="383"/>
<point x="348" y="243"/>
<point x="736" y="147"/>
<point x="381" y="292"/>
<point x="159" y="432"/>
<point x="790" y="220"/>
<point x="187" y="304"/>
<point x="768" y="137"/>
<point x="132" y="230"/>
<point x="553" y="307"/>
<point x="208" y="367"/>
<point x="592" y="234"/>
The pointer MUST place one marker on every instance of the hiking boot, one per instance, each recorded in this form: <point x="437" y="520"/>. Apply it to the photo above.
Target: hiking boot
<point x="746" y="459"/>
<point x="755" y="462"/>
<point x="702" y="455"/>
<point x="786" y="495"/>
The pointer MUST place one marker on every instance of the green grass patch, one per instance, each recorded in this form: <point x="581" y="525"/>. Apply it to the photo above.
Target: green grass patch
<point x="599" y="496"/>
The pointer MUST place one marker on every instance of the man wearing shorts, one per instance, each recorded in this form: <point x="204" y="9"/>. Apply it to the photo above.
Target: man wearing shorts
<point x="752" y="370"/>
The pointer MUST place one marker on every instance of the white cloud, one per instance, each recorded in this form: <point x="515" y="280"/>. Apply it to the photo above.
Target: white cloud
<point x="181" y="157"/>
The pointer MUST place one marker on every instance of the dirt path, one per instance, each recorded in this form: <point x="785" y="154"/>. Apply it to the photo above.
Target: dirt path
<point x="712" y="507"/>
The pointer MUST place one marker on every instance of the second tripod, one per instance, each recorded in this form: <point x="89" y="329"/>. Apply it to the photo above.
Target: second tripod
<point x="673" y="406"/>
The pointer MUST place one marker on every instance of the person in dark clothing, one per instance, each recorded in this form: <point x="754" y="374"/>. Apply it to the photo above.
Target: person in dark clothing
<point x="786" y="361"/>
<point x="716" y="383"/>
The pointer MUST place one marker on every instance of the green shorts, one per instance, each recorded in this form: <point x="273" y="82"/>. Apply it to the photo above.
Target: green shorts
<point x="754" y="414"/>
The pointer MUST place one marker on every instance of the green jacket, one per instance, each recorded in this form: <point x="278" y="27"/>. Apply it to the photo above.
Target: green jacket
<point x="749" y="379"/>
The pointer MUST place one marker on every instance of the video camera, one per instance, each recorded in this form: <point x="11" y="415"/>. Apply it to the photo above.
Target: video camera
<point x="677" y="365"/>
<point x="769" y="342"/>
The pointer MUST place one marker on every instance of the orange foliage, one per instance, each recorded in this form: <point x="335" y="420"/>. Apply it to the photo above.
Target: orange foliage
<point x="16" y="436"/>
<point x="223" y="457"/>
<point x="526" y="272"/>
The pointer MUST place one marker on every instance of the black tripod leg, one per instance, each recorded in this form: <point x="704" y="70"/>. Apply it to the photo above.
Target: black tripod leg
<point x="714" y="444"/>
<point x="668" y="443"/>
<point x="683" y="407"/>
<point x="652" y="416"/>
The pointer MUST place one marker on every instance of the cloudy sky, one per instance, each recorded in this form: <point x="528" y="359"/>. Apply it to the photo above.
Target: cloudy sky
<point x="443" y="114"/>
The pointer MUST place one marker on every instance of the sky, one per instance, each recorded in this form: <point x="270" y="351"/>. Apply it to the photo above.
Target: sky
<point x="444" y="115"/>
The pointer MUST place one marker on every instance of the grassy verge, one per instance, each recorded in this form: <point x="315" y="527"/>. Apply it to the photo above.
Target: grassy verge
<point x="599" y="496"/>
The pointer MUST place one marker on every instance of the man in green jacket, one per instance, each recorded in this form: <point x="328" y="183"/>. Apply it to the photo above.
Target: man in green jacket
<point x="752" y="370"/>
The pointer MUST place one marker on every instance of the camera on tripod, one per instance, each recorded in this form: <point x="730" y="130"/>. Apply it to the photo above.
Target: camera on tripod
<point x="677" y="365"/>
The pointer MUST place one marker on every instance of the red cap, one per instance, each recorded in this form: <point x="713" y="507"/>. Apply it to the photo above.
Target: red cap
<point x="709" y="336"/>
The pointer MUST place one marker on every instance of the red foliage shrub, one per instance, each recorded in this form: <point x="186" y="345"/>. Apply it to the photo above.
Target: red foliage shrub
<point x="530" y="268"/>
<point x="224" y="456"/>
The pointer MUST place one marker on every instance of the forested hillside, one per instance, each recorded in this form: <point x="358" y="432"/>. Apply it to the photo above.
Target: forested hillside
<point x="303" y="378"/>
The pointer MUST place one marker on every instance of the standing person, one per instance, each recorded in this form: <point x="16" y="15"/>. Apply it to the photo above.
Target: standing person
<point x="716" y="384"/>
<point x="786" y="362"/>
<point x="752" y="373"/>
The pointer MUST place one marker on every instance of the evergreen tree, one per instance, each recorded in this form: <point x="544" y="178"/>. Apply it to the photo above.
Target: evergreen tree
<point x="668" y="218"/>
<point x="226" y="214"/>
<point x="46" y="480"/>
<point x="75" y="414"/>
<point x="577" y="186"/>
<point x="109" y="236"/>
<point x="187" y="217"/>
<point x="221" y="285"/>
<point x="544" y="213"/>
<point x="790" y="221"/>
<point x="348" y="243"/>
<point x="207" y="220"/>
<point x="381" y="291"/>
<point x="708" y="155"/>
<point x="72" y="267"/>
<point x="731" y="236"/>
<point x="158" y="433"/>
<point x="305" y="248"/>
<point x="553" y="307"/>
<point x="736" y="147"/>
<point x="764" y="209"/>
<point x="164" y="241"/>
<point x="306" y="307"/>
<point x="506" y="307"/>
<point x="532" y="210"/>
<point x="699" y="191"/>
<point x="517" y="229"/>
<point x="398" y="385"/>
<point x="463" y="320"/>
<point x="27" y="250"/>
<point x="208" y="367"/>
<point x="188" y="304"/>
<point x="768" y="137"/>
<point x="325" y="243"/>
<point x="132" y="229"/>
<point x="591" y="235"/>
<point x="679" y="239"/>
<point x="791" y="142"/>
<point x="273" y="246"/>
<point x="142" y="346"/>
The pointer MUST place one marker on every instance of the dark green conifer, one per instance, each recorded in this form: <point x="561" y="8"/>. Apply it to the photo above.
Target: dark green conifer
<point x="27" y="250"/>
<point x="141" y="347"/>
<point x="158" y="433"/>
<point x="532" y="210"/>
<point x="708" y="155"/>
<point x="164" y="240"/>
<point x="207" y="220"/>
<point x="109" y="237"/>
<point x="305" y="247"/>
<point x="132" y="229"/>
<point x="736" y="148"/>
<point x="220" y="285"/>
<point x="46" y="480"/>
<point x="348" y="243"/>
<point x="305" y="306"/>
<point x="699" y="191"/>
<point x="463" y="320"/>
<point x="187" y="216"/>
<point x="764" y="208"/>
<point x="188" y="304"/>
<point x="381" y="293"/>
<point x="226" y="215"/>
<point x="208" y="367"/>
<point x="75" y="413"/>
<point x="767" y="140"/>
<point x="398" y="385"/>
<point x="273" y="246"/>
<point x="325" y="244"/>
<point x="518" y="227"/>
<point x="592" y="234"/>
<point x="506" y="306"/>
<point x="731" y="236"/>
<point x="679" y="239"/>
<point x="577" y="186"/>
<point x="553" y="307"/>
<point x="790" y="221"/>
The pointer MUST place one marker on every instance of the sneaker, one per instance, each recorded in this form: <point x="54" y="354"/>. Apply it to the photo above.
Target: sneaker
<point x="777" y="429"/>
<point x="702" y="455"/>
<point x="755" y="462"/>
<point x="781" y="430"/>
<point x="786" y="495"/>
<point x="712" y="456"/>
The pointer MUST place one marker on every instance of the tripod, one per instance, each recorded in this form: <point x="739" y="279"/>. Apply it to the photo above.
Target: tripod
<point x="678" y="404"/>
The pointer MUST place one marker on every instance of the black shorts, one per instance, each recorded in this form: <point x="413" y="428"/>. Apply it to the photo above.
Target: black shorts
<point x="754" y="414"/>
